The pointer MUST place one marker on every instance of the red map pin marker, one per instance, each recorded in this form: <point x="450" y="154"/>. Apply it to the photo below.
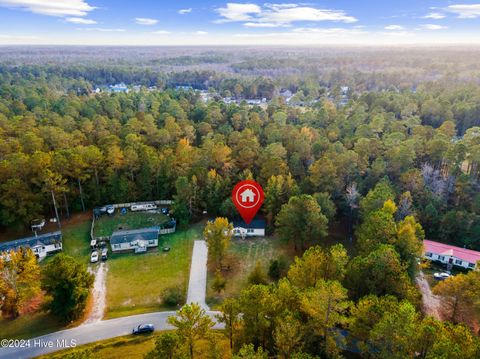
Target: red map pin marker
<point x="248" y="197"/>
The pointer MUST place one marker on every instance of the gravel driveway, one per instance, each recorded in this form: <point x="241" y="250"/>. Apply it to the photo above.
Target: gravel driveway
<point x="99" y="293"/>
<point x="431" y="303"/>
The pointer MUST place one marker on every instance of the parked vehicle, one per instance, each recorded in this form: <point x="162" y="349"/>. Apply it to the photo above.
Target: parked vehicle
<point x="441" y="276"/>
<point x="110" y="209"/>
<point x="104" y="254"/>
<point x="143" y="328"/>
<point x="93" y="243"/>
<point x="94" y="257"/>
<point x="143" y="207"/>
<point x="165" y="210"/>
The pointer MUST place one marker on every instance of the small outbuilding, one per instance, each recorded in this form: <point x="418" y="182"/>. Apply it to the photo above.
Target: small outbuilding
<point x="138" y="240"/>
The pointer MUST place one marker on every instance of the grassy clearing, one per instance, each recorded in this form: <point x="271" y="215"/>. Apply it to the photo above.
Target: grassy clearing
<point x="29" y="326"/>
<point x="106" y="225"/>
<point x="76" y="241"/>
<point x="136" y="282"/>
<point x="135" y="347"/>
<point x="242" y="258"/>
<point x="244" y="254"/>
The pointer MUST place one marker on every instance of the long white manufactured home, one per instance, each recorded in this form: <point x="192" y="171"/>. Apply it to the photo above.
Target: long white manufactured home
<point x="137" y="240"/>
<point x="41" y="245"/>
<point x="256" y="228"/>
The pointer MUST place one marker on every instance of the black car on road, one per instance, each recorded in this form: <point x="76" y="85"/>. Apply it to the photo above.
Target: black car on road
<point x="143" y="328"/>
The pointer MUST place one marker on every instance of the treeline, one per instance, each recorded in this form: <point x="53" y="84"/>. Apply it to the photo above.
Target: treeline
<point x="316" y="311"/>
<point x="84" y="150"/>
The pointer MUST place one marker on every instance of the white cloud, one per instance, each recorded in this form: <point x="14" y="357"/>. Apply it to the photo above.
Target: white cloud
<point x="161" y="32"/>
<point x="80" y="20"/>
<point x="145" y="21"/>
<point x="279" y="14"/>
<point x="465" y="11"/>
<point x="238" y="12"/>
<point x="432" y="27"/>
<point x="263" y="24"/>
<point x="100" y="29"/>
<point x="434" y="16"/>
<point x="51" y="7"/>
<point x="394" y="27"/>
<point x="201" y="32"/>
<point x="185" y="11"/>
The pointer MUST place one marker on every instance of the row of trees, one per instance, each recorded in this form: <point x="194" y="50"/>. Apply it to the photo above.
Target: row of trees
<point x="115" y="148"/>
<point x="64" y="281"/>
<point x="310" y="314"/>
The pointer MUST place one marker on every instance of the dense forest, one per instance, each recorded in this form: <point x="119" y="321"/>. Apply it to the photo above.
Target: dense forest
<point x="59" y="140"/>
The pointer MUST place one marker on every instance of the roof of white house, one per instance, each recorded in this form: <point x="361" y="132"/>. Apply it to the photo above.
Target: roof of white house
<point x="256" y="223"/>
<point x="443" y="249"/>
<point x="30" y="242"/>
<point x="126" y="236"/>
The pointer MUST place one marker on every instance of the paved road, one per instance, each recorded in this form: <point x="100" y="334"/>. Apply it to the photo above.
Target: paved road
<point x="95" y="330"/>
<point x="197" y="285"/>
<point x="89" y="333"/>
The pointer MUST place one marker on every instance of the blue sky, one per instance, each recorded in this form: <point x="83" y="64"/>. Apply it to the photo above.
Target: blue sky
<point x="143" y="22"/>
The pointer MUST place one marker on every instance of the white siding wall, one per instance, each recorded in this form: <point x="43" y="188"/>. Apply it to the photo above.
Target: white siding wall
<point x="445" y="259"/>
<point x="127" y="246"/>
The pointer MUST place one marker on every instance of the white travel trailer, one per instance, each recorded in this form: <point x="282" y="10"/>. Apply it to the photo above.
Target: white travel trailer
<point x="143" y="207"/>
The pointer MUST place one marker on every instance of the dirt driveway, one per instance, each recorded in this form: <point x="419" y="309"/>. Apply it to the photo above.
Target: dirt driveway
<point x="431" y="303"/>
<point x="99" y="293"/>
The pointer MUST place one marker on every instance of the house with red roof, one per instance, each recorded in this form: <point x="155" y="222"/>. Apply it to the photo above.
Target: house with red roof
<point x="449" y="254"/>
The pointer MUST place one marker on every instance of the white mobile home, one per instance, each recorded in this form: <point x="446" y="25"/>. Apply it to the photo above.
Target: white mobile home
<point x="138" y="240"/>
<point x="41" y="245"/>
<point x="256" y="228"/>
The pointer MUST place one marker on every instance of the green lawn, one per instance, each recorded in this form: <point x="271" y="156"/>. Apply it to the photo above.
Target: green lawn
<point x="76" y="241"/>
<point x="29" y="326"/>
<point x="135" y="282"/>
<point x="106" y="225"/>
<point x="243" y="256"/>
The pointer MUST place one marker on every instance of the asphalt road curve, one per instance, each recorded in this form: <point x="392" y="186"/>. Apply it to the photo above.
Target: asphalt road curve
<point x="87" y="333"/>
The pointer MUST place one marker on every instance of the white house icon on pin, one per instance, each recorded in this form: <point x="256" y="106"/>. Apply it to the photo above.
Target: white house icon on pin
<point x="248" y="196"/>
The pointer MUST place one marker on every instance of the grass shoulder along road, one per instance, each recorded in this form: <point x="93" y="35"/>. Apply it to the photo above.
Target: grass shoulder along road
<point x="135" y="347"/>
